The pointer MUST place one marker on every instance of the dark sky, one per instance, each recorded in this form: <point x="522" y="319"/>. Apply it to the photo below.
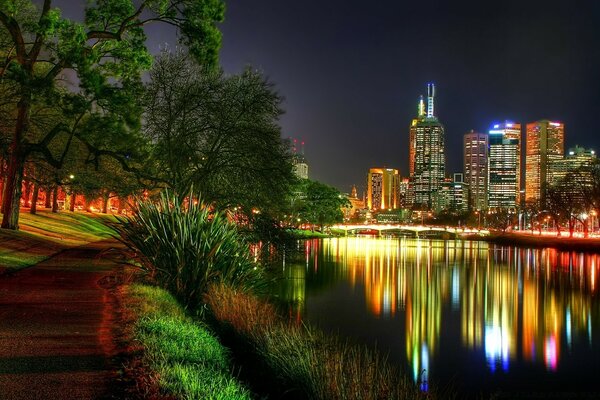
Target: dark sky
<point x="351" y="71"/>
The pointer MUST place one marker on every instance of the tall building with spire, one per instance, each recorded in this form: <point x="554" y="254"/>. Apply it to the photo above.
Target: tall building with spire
<point x="504" y="160"/>
<point x="427" y="158"/>
<point x="545" y="145"/>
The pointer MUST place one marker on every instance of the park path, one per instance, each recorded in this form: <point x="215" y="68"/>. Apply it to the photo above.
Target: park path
<point x="59" y="324"/>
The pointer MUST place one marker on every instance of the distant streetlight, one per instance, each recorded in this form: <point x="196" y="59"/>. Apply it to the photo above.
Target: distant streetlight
<point x="71" y="176"/>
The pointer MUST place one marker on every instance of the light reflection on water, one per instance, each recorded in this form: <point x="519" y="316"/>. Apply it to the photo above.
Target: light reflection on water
<point x="505" y="306"/>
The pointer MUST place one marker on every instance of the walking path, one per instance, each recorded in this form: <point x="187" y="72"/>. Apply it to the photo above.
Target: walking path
<point x="58" y="322"/>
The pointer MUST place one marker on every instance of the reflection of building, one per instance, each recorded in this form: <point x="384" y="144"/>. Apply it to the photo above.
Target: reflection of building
<point x="544" y="146"/>
<point x="475" y="166"/>
<point x="383" y="186"/>
<point x="504" y="160"/>
<point x="427" y="160"/>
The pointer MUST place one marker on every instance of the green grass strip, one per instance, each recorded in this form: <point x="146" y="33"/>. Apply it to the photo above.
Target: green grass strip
<point x="189" y="360"/>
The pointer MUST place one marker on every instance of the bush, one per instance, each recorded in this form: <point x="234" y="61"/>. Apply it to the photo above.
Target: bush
<point x="187" y="247"/>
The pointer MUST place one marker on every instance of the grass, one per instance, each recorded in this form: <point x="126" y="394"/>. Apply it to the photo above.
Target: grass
<point x="45" y="234"/>
<point x="188" y="360"/>
<point x="304" y="360"/>
<point x="306" y="234"/>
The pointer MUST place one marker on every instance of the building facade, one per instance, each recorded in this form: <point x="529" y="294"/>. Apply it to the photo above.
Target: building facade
<point x="504" y="166"/>
<point x="545" y="145"/>
<point x="383" y="189"/>
<point x="475" y="156"/>
<point x="427" y="158"/>
<point x="577" y="158"/>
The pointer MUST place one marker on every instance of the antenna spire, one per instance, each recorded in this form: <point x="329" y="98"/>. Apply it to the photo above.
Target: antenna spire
<point x="430" y="100"/>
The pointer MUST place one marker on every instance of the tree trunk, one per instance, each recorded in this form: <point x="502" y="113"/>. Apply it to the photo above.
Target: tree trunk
<point x="11" y="201"/>
<point x="27" y="195"/>
<point x="88" y="204"/>
<point x="34" y="198"/>
<point x="105" y="198"/>
<point x="48" y="198"/>
<point x="73" y="199"/>
<point x="55" y="199"/>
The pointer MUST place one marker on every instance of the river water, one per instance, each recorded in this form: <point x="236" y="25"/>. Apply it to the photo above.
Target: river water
<point x="469" y="316"/>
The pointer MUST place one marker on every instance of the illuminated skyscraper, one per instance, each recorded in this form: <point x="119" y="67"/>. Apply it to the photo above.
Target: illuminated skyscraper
<point x="427" y="159"/>
<point x="577" y="159"/>
<point x="383" y="189"/>
<point x="299" y="161"/>
<point x="544" y="146"/>
<point x="504" y="170"/>
<point x="476" y="168"/>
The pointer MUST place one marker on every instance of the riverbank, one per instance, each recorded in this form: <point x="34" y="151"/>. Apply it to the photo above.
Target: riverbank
<point x="587" y="245"/>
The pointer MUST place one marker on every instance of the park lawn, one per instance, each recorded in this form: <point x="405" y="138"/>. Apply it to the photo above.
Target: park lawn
<point x="185" y="359"/>
<point x="43" y="235"/>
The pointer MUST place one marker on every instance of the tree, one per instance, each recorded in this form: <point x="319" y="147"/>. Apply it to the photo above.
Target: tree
<point x="565" y="202"/>
<point x="321" y="204"/>
<point x="217" y="133"/>
<point x="106" y="54"/>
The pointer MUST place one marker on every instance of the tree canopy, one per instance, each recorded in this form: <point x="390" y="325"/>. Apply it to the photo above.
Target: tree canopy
<point x="88" y="72"/>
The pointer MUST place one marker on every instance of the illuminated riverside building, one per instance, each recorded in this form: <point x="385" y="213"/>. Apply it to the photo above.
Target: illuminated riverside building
<point x="476" y="168"/>
<point x="545" y="144"/>
<point x="427" y="159"/>
<point x="577" y="158"/>
<point x="504" y="166"/>
<point x="383" y="189"/>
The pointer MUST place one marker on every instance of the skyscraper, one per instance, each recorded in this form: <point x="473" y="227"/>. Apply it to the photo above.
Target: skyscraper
<point x="504" y="166"/>
<point x="383" y="189"/>
<point x="427" y="159"/>
<point x="476" y="168"/>
<point x="299" y="161"/>
<point x="545" y="144"/>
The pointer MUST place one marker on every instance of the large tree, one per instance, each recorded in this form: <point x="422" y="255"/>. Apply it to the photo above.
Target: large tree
<point x="103" y="57"/>
<point x="217" y="133"/>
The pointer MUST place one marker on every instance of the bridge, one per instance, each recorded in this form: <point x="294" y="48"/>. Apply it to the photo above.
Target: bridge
<point x="417" y="231"/>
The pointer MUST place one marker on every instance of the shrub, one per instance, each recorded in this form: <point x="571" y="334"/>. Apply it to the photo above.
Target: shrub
<point x="187" y="247"/>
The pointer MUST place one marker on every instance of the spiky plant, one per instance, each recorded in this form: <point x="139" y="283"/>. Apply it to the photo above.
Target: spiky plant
<point x="186" y="246"/>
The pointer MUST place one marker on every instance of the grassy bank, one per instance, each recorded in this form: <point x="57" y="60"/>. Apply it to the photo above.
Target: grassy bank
<point x="45" y="234"/>
<point x="300" y="362"/>
<point x="187" y="361"/>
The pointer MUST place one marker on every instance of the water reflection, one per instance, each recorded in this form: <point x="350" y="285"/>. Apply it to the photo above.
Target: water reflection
<point x="511" y="305"/>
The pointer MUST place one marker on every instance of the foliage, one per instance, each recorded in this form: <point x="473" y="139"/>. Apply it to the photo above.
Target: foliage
<point x="186" y="247"/>
<point x="190" y="362"/>
<point x="319" y="204"/>
<point x="218" y="133"/>
<point x="305" y="360"/>
<point x="67" y="81"/>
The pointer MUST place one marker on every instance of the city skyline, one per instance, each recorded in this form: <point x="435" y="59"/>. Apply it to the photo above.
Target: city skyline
<point x="350" y="73"/>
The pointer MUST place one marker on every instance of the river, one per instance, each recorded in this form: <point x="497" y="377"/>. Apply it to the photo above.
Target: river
<point x="470" y="316"/>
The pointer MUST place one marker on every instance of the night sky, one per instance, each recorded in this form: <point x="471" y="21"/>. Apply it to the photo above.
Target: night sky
<point x="351" y="71"/>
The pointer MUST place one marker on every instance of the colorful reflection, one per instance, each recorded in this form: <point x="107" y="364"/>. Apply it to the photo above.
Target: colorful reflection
<point x="507" y="304"/>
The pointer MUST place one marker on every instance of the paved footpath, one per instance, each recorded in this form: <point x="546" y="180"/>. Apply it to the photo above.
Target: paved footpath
<point x="58" y="328"/>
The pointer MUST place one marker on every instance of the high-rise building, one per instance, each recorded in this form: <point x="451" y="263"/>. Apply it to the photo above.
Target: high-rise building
<point x="454" y="194"/>
<point x="577" y="158"/>
<point x="383" y="189"/>
<point x="427" y="159"/>
<point x="476" y="168"/>
<point x="545" y="144"/>
<point x="299" y="160"/>
<point x="504" y="166"/>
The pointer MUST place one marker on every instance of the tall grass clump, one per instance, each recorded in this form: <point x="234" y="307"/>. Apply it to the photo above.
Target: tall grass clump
<point x="187" y="360"/>
<point x="305" y="360"/>
<point x="186" y="247"/>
